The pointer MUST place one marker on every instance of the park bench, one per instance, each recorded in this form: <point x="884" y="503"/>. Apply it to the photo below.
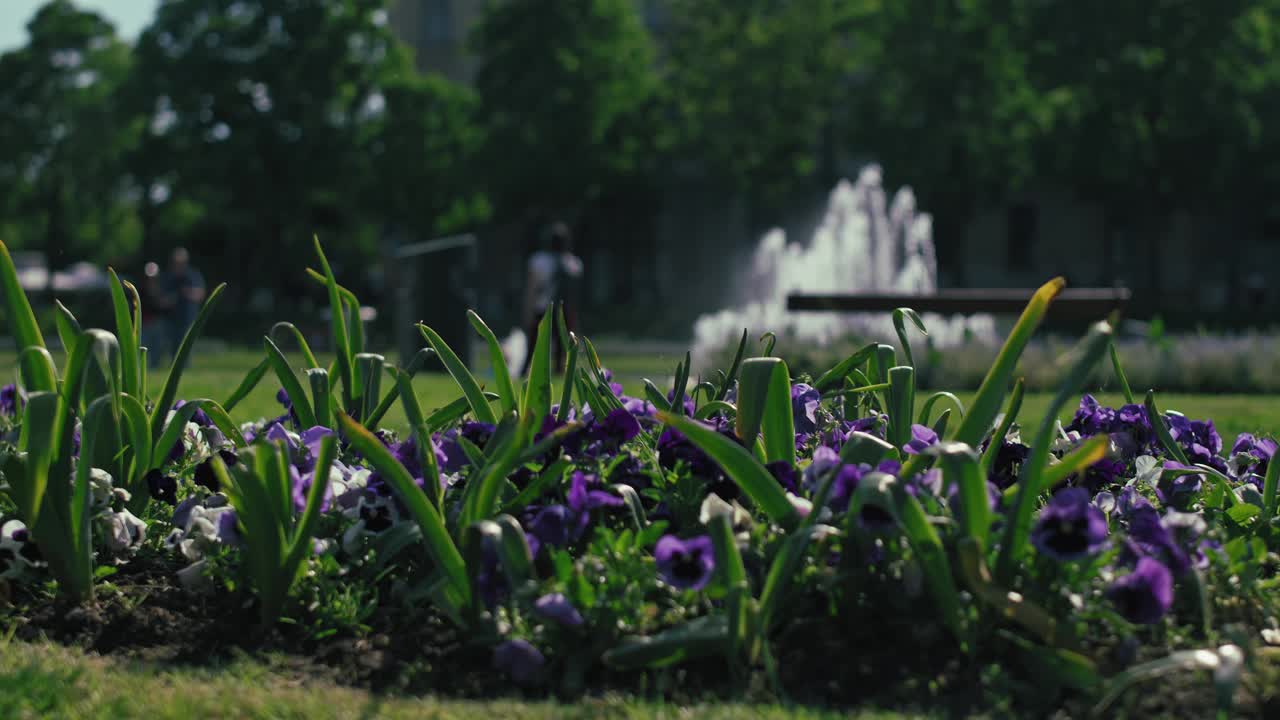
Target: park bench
<point x="1071" y="305"/>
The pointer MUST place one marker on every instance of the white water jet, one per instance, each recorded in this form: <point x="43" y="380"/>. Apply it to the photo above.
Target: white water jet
<point x="863" y="245"/>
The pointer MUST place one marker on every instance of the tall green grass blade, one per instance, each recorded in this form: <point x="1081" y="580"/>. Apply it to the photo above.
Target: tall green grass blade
<point x="732" y="377"/>
<point x="501" y="374"/>
<point x="1031" y="481"/>
<point x="126" y="334"/>
<point x="137" y="430"/>
<point x="680" y="386"/>
<point x="740" y="466"/>
<point x="68" y="327"/>
<point x="537" y="394"/>
<point x="899" y="326"/>
<point x="481" y="499"/>
<point x="251" y="380"/>
<point x="764" y="406"/>
<point x="170" y="389"/>
<point x="321" y="395"/>
<point x="298" y="338"/>
<point x="22" y="321"/>
<point x="368" y="371"/>
<point x="567" y="382"/>
<point x="732" y="573"/>
<point x="940" y="425"/>
<point x="713" y="407"/>
<point x="513" y="550"/>
<point x="986" y="404"/>
<point x="1158" y="424"/>
<point x="289" y="381"/>
<point x="35" y="363"/>
<point x="1270" y="488"/>
<point x="299" y="545"/>
<point x="960" y="468"/>
<point x="902" y="402"/>
<point x="1081" y="458"/>
<point x="1120" y="376"/>
<point x="96" y="427"/>
<point x="704" y="637"/>
<point x="443" y="552"/>
<point x="338" y="325"/>
<point x="863" y="448"/>
<point x="172" y="433"/>
<point x="450" y="413"/>
<point x="655" y="396"/>
<point x="834" y="377"/>
<point x="1002" y="431"/>
<point x="1065" y="667"/>
<point x="926" y="410"/>
<point x="422" y="435"/>
<point x="355" y="325"/>
<point x="782" y="573"/>
<point x="541" y="485"/>
<point x="461" y="375"/>
<point x="39" y="439"/>
<point x="932" y="557"/>
<point x="885" y="357"/>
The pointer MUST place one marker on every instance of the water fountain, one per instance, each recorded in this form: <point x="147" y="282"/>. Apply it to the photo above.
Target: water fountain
<point x="863" y="244"/>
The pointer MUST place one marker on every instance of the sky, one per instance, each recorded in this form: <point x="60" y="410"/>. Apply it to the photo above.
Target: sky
<point x="129" y="17"/>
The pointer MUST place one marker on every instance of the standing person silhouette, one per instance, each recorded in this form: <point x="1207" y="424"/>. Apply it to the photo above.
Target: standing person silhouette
<point x="554" y="274"/>
<point x="183" y="287"/>
<point x="155" y="316"/>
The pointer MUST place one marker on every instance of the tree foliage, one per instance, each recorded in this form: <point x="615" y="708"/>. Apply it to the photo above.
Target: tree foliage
<point x="753" y="87"/>
<point x="564" y="91"/>
<point x="63" y="141"/>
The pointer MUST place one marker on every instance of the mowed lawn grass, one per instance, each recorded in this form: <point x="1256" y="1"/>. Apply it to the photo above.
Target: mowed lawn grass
<point x="215" y="373"/>
<point x="50" y="681"/>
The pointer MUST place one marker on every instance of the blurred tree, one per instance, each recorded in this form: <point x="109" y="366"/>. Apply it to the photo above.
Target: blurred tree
<point x="753" y="87"/>
<point x="63" y="139"/>
<point x="1168" y="106"/>
<point x="257" y="112"/>
<point x="947" y="104"/>
<point x="423" y="150"/>
<point x="564" y="90"/>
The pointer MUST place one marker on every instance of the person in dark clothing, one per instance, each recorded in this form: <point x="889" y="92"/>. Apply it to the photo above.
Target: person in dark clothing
<point x="182" y="290"/>
<point x="554" y="274"/>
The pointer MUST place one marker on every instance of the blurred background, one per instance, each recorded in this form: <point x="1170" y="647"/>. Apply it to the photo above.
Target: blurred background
<point x="1115" y="143"/>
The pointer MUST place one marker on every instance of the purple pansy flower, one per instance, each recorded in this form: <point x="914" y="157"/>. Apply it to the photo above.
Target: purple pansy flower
<point x="1198" y="439"/>
<point x="455" y="459"/>
<point x="162" y="487"/>
<point x="614" y="429"/>
<point x="1148" y="537"/>
<point x="805" y="401"/>
<point x="1144" y="595"/>
<point x="1177" y="490"/>
<point x="785" y="473"/>
<point x="556" y="607"/>
<point x="685" y="564"/>
<point x="10" y="400"/>
<point x="1008" y="463"/>
<point x="520" y="660"/>
<point x="205" y="477"/>
<point x="922" y="437"/>
<point x="1070" y="526"/>
<point x="199" y="417"/>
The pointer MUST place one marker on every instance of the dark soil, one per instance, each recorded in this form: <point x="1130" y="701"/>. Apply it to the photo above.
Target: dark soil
<point x="149" y="617"/>
<point x="878" y="662"/>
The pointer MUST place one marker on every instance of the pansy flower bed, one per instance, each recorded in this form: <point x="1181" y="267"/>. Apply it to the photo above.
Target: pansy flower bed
<point x="832" y="539"/>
